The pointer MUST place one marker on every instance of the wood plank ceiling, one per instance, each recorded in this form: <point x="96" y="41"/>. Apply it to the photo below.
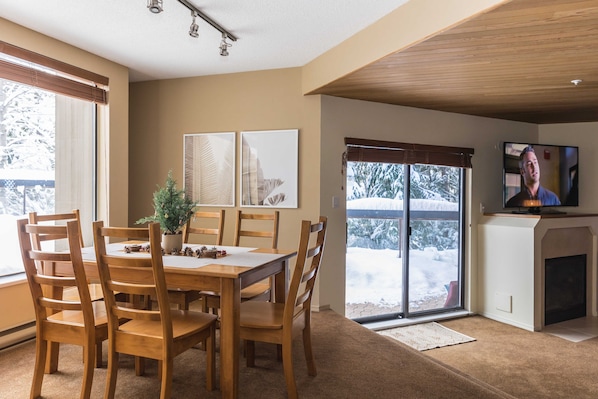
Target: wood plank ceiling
<point x="515" y="62"/>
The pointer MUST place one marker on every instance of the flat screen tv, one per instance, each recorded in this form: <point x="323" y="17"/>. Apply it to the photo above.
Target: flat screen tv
<point x="539" y="178"/>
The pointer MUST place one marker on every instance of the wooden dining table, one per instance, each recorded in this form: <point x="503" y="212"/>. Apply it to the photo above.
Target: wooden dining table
<point x="240" y="268"/>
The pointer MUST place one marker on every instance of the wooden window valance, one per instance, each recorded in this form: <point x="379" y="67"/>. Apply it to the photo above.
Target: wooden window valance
<point x="364" y="150"/>
<point x="37" y="70"/>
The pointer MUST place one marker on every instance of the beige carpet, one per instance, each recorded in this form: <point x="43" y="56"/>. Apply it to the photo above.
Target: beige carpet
<point x="426" y="336"/>
<point x="352" y="362"/>
<point x="526" y="364"/>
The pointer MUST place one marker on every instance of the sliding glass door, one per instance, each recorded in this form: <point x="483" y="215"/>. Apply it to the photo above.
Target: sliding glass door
<point x="433" y="260"/>
<point x="374" y="262"/>
<point x="404" y="257"/>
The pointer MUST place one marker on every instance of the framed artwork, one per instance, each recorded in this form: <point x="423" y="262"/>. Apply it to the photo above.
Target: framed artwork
<point x="209" y="165"/>
<point x="269" y="168"/>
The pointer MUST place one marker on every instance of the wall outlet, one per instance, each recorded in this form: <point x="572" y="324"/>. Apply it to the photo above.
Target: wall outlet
<point x="482" y="208"/>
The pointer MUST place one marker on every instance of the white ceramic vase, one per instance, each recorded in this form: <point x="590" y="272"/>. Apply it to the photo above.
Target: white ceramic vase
<point x="172" y="242"/>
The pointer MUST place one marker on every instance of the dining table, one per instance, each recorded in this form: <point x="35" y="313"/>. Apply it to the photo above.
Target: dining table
<point x="240" y="267"/>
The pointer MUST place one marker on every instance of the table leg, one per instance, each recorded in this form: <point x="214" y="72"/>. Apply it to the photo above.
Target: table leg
<point x="230" y="303"/>
<point x="281" y="288"/>
<point x="281" y="283"/>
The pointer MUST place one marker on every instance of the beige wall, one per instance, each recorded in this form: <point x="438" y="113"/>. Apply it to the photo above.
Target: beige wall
<point x="16" y="307"/>
<point x="113" y="119"/>
<point x="350" y="118"/>
<point x="163" y="111"/>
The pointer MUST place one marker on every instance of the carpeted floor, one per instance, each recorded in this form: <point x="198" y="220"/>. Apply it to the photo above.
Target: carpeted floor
<point x="352" y="362"/>
<point x="529" y="365"/>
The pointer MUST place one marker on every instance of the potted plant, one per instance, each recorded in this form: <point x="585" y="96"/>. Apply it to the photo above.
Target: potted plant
<point x="172" y="210"/>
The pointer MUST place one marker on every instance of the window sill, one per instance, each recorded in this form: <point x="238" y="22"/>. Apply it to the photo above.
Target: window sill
<point x="13" y="279"/>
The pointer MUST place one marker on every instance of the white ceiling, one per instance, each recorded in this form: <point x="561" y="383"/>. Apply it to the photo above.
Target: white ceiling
<point x="272" y="33"/>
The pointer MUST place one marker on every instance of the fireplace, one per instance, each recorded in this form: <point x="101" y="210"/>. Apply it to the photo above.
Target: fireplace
<point x="565" y="288"/>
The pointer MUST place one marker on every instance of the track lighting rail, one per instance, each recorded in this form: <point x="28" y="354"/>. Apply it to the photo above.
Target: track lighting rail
<point x="209" y="20"/>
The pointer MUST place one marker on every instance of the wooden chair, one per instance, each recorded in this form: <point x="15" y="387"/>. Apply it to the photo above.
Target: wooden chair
<point x="261" y="290"/>
<point x="78" y="322"/>
<point x="95" y="290"/>
<point x="217" y="216"/>
<point x="182" y="298"/>
<point x="159" y="334"/>
<point x="279" y="323"/>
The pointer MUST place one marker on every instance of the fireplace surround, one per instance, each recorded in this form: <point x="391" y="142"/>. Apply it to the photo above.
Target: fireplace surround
<point x="512" y="252"/>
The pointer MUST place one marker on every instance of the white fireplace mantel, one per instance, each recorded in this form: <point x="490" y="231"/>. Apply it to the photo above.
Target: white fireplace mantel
<point x="511" y="255"/>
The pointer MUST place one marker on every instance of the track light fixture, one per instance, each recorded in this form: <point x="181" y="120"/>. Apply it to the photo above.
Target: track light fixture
<point x="155" y="6"/>
<point x="224" y="46"/>
<point x="193" y="29"/>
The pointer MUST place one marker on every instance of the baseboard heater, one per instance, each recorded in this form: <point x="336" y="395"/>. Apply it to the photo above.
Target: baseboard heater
<point x="16" y="335"/>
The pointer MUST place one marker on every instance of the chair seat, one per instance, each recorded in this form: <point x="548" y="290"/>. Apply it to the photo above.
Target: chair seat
<point x="184" y="322"/>
<point x="263" y="315"/>
<point x="246" y="293"/>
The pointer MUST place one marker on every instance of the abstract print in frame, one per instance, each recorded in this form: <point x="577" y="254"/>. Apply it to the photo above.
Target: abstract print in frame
<point x="210" y="168"/>
<point x="269" y="168"/>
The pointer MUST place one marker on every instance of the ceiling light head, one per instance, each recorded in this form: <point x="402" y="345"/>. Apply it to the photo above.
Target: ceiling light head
<point x="576" y="81"/>
<point x="224" y="46"/>
<point x="155" y="6"/>
<point x="194" y="28"/>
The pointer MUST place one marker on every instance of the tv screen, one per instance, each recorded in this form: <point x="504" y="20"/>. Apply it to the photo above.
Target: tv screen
<point x="537" y="176"/>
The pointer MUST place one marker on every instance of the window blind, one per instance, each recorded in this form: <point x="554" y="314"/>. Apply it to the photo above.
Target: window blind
<point x="365" y="150"/>
<point x="24" y="66"/>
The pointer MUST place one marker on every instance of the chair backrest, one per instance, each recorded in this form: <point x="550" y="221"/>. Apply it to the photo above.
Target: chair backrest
<point x="42" y="285"/>
<point x="120" y="272"/>
<point x="309" y="257"/>
<point x="217" y="218"/>
<point x="56" y="218"/>
<point x="257" y="220"/>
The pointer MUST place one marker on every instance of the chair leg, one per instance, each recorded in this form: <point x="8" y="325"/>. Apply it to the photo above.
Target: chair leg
<point x="139" y="366"/>
<point x="210" y="348"/>
<point x="287" y="366"/>
<point x="204" y="309"/>
<point x="204" y="304"/>
<point x="111" y="374"/>
<point x="166" y="377"/>
<point x="160" y="368"/>
<point x="309" y="355"/>
<point x="41" y="350"/>
<point x="98" y="355"/>
<point x="250" y="353"/>
<point x="52" y="360"/>
<point x="88" y="367"/>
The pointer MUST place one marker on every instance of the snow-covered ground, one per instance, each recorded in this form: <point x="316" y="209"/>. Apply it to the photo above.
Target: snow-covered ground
<point x="375" y="276"/>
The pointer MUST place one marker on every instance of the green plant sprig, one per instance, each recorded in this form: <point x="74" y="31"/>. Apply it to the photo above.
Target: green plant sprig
<point x="172" y="208"/>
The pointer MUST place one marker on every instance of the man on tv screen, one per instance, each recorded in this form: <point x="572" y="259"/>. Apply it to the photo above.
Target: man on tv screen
<point x="532" y="194"/>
